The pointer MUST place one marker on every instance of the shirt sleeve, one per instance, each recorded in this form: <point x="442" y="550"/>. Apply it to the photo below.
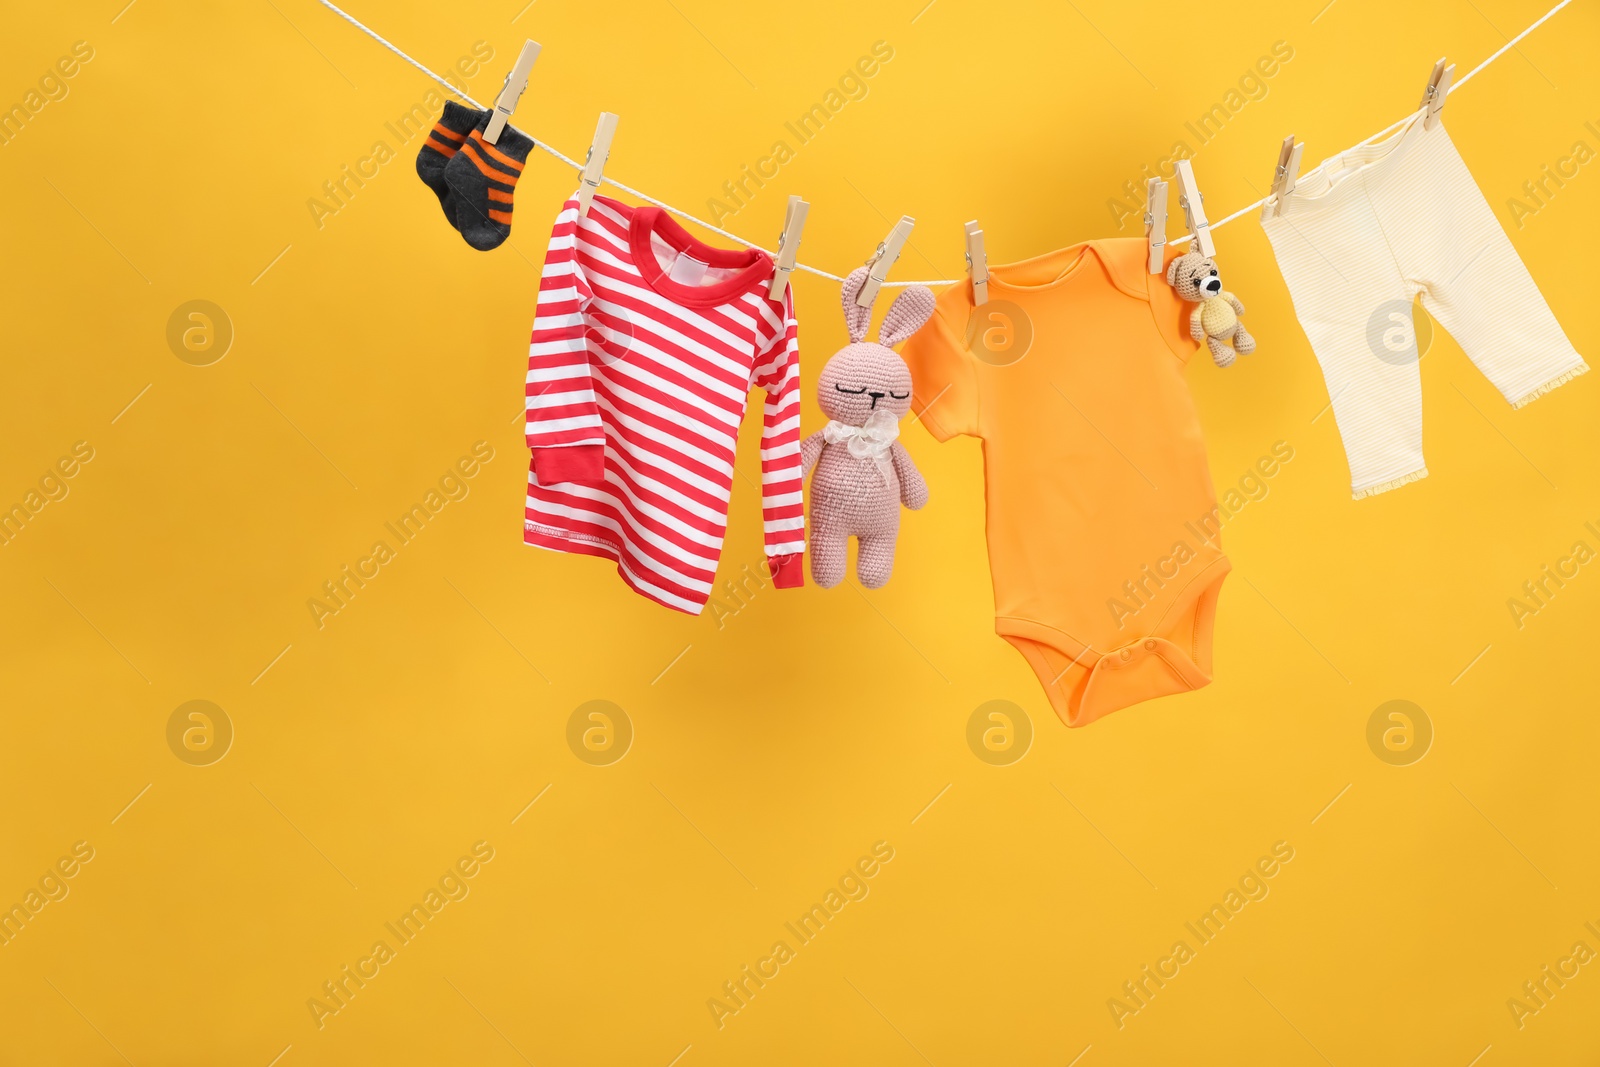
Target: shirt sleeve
<point x="783" y="521"/>
<point x="944" y="377"/>
<point x="1171" y="314"/>
<point x="562" y="419"/>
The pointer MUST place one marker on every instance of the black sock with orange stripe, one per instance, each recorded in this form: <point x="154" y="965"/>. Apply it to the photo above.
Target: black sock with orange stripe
<point x="443" y="142"/>
<point x="482" y="177"/>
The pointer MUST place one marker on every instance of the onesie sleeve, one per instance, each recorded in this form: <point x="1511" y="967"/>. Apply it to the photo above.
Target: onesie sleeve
<point x="1171" y="314"/>
<point x="944" y="379"/>
<point x="562" y="419"/>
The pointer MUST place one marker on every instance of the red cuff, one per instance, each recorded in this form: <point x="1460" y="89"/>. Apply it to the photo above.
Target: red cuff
<point x="570" y="463"/>
<point x="788" y="572"/>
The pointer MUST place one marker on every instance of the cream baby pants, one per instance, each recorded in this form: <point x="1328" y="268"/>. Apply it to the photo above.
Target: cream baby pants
<point x="1357" y="240"/>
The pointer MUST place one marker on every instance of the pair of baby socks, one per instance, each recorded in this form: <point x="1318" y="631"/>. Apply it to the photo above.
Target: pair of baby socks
<point x="473" y="179"/>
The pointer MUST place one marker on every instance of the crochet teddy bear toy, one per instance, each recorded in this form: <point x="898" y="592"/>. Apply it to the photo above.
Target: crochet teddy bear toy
<point x="1216" y="318"/>
<point x="863" y="474"/>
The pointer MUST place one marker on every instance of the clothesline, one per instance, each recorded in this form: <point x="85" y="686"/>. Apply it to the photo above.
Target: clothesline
<point x="576" y="165"/>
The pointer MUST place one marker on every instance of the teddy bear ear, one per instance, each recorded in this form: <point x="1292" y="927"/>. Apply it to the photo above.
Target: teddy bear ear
<point x="906" y="315"/>
<point x="1172" y="271"/>
<point x="856" y="319"/>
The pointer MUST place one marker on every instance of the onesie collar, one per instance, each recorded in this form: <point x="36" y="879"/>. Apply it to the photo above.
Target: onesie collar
<point x="1122" y="259"/>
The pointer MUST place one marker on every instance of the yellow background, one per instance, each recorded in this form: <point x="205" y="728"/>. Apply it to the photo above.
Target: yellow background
<point x="772" y="752"/>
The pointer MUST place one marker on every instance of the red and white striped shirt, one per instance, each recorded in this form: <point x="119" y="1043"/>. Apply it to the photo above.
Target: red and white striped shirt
<point x="637" y="384"/>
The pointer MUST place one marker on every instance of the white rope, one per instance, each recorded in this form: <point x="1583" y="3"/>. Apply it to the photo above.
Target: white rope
<point x="607" y="179"/>
<point x="1509" y="45"/>
<point x="1458" y="83"/>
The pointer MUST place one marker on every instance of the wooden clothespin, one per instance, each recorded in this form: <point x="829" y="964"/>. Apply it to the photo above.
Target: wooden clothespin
<point x="1155" y="222"/>
<point x="1194" y="209"/>
<point x="977" y="264"/>
<point x="1438" y="88"/>
<point x="888" y="251"/>
<point x="594" y="164"/>
<point x="511" y="92"/>
<point x="1284" y="176"/>
<point x="794" y="221"/>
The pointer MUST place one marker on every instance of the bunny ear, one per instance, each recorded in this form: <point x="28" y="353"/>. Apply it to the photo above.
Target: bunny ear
<point x="906" y="315"/>
<point x="856" y="319"/>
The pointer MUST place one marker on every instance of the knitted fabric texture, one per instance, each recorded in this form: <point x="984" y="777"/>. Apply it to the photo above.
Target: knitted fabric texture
<point x="444" y="141"/>
<point x="1215" y="319"/>
<point x="863" y="472"/>
<point x="482" y="178"/>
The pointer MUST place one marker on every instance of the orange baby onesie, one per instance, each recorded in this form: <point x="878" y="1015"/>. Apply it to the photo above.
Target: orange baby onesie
<point x="1102" y="522"/>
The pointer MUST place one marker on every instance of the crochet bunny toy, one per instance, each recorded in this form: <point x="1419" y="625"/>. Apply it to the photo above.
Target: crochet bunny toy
<point x="1216" y="318"/>
<point x="863" y="473"/>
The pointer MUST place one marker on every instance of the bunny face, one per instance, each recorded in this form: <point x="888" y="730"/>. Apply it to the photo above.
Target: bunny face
<point x="862" y="379"/>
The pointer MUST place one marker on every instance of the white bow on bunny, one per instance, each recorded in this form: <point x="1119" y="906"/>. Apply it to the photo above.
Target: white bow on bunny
<point x="863" y="471"/>
<point x="871" y="440"/>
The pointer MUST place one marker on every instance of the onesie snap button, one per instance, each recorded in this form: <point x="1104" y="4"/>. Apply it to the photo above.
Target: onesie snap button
<point x="1126" y="655"/>
<point x="1150" y="645"/>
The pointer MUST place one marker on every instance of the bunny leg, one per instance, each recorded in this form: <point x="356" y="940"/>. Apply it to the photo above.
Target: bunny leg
<point x="829" y="553"/>
<point x="1243" y="343"/>
<point x="875" y="560"/>
<point x="1221" y="354"/>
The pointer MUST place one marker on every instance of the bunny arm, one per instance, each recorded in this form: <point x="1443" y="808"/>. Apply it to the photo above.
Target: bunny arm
<point x="810" y="452"/>
<point x="1197" y="332"/>
<point x="913" y="487"/>
<point x="1238" y="308"/>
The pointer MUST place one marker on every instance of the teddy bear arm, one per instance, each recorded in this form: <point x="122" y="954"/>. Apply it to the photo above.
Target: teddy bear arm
<point x="1238" y="307"/>
<point x="1197" y="331"/>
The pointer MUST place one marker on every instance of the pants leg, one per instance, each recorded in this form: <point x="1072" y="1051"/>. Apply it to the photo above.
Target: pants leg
<point x="1451" y="247"/>
<point x="1355" y="307"/>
